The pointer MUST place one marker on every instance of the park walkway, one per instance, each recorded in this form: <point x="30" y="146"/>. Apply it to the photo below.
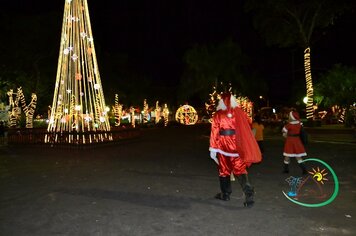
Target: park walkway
<point x="162" y="184"/>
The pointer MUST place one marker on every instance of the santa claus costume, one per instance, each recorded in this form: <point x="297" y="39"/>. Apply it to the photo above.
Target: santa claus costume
<point x="293" y="146"/>
<point x="233" y="147"/>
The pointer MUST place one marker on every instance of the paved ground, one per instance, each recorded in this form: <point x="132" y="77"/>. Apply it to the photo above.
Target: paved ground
<point x="162" y="184"/>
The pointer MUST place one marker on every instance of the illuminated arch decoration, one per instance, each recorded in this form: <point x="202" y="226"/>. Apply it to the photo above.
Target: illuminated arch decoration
<point x="78" y="102"/>
<point x="165" y="114"/>
<point x="186" y="115"/>
<point x="319" y="176"/>
<point x="309" y="84"/>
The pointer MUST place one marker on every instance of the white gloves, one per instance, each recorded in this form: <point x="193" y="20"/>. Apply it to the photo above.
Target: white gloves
<point x="214" y="157"/>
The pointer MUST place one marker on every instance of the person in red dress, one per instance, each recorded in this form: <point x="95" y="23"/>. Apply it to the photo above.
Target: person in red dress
<point x="293" y="146"/>
<point x="233" y="147"/>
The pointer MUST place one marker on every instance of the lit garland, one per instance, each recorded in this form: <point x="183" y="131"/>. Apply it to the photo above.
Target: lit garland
<point x="309" y="84"/>
<point x="246" y="105"/>
<point x="78" y="101"/>
<point x="210" y="106"/>
<point x="243" y="102"/>
<point x="29" y="109"/>
<point x="186" y="115"/>
<point x="165" y="114"/>
<point x="157" y="113"/>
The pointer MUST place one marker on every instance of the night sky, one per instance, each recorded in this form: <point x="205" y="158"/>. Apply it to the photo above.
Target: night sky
<point x="155" y="34"/>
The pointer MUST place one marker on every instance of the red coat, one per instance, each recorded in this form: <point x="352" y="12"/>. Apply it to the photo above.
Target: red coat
<point x="293" y="146"/>
<point x="242" y="144"/>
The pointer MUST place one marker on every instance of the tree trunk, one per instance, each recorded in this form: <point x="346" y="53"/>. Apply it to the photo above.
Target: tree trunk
<point x="309" y="85"/>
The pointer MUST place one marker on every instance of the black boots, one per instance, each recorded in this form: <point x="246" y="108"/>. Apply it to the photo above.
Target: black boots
<point x="301" y="165"/>
<point x="225" y="186"/>
<point x="286" y="168"/>
<point x="304" y="169"/>
<point x="248" y="190"/>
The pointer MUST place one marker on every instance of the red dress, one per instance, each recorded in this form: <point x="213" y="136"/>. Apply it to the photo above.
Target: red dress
<point x="293" y="146"/>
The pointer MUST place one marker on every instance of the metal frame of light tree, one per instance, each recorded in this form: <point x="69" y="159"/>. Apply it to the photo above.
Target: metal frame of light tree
<point x="78" y="102"/>
<point x="309" y="85"/>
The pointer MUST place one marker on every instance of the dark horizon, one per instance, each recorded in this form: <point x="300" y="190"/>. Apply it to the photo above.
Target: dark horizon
<point x="154" y="36"/>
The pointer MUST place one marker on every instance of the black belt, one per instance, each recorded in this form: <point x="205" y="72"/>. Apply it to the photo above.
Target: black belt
<point x="293" y="135"/>
<point x="227" y="132"/>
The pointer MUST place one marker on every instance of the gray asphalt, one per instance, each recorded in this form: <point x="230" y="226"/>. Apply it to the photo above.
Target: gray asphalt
<point x="163" y="184"/>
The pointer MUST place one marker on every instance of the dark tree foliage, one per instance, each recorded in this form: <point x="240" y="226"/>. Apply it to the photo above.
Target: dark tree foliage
<point x="209" y="65"/>
<point x="337" y="87"/>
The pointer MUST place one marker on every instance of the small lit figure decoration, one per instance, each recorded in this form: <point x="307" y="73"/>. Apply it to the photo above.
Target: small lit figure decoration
<point x="342" y="115"/>
<point x="145" y="111"/>
<point x="157" y="113"/>
<point x="117" y="108"/>
<point x="132" y="116"/>
<point x="165" y="114"/>
<point x="14" y="109"/>
<point x="78" y="112"/>
<point x="29" y="109"/>
<point x="186" y="115"/>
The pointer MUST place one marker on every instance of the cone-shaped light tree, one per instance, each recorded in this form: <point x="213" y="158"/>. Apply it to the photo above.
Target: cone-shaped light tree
<point x="78" y="101"/>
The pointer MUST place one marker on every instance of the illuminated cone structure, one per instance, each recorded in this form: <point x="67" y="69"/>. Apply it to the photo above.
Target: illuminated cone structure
<point x="78" y="107"/>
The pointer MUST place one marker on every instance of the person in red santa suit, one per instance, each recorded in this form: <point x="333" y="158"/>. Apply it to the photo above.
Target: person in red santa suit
<point x="293" y="146"/>
<point x="233" y="147"/>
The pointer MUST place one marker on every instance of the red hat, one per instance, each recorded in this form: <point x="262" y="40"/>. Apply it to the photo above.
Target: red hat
<point x="294" y="116"/>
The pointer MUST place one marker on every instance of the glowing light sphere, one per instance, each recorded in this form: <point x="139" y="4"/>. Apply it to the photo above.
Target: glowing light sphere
<point x="186" y="115"/>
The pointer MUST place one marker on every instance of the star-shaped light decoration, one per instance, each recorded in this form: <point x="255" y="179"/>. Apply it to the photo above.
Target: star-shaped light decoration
<point x="66" y="51"/>
<point x="96" y="86"/>
<point x="83" y="34"/>
<point x="74" y="57"/>
<point x="69" y="90"/>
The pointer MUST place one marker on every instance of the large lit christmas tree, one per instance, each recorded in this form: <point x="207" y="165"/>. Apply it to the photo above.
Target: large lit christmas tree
<point x="78" y="103"/>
